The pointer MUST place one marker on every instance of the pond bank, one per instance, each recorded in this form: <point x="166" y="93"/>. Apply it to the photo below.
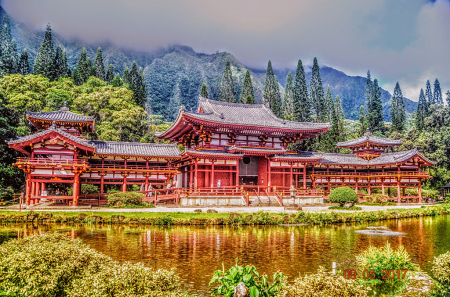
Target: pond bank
<point x="232" y="218"/>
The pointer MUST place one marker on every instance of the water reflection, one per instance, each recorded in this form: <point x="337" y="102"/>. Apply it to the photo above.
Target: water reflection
<point x="197" y="251"/>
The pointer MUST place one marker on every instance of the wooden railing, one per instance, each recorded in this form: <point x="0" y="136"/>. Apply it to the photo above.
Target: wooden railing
<point x="279" y="196"/>
<point x="130" y="167"/>
<point x="245" y="197"/>
<point x="162" y="195"/>
<point x="337" y="174"/>
<point x="48" y="161"/>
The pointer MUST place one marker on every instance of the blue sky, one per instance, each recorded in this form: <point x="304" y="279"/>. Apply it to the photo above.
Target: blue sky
<point x="398" y="40"/>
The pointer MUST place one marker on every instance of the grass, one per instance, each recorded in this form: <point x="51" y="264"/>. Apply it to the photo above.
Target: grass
<point x="377" y="204"/>
<point x="345" y="208"/>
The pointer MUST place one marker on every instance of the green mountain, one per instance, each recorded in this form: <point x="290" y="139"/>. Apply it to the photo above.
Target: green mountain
<point x="174" y="75"/>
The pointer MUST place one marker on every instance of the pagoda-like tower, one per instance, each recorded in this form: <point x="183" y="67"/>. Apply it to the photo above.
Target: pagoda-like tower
<point x="369" y="146"/>
<point x="234" y="143"/>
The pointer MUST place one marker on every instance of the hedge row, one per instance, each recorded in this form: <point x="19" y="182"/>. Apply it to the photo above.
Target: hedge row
<point x="259" y="218"/>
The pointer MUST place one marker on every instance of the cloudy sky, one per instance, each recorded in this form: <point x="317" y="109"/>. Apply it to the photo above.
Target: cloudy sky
<point x="398" y="40"/>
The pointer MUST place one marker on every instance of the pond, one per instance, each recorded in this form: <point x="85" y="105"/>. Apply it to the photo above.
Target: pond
<point x="196" y="251"/>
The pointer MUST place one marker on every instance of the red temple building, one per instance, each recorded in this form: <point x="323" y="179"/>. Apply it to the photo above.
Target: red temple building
<point x="230" y="149"/>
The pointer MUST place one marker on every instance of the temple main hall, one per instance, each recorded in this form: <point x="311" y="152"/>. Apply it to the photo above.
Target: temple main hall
<point x="226" y="148"/>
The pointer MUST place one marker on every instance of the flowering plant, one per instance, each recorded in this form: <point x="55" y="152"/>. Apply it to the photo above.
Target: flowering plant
<point x="257" y="284"/>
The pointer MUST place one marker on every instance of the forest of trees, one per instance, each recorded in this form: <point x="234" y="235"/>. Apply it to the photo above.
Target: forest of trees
<point x="120" y="106"/>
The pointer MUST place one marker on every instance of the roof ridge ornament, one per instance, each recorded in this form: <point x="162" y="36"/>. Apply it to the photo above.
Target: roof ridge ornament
<point x="368" y="133"/>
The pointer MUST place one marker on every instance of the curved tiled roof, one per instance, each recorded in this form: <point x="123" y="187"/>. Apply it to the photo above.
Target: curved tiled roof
<point x="256" y="149"/>
<point x="62" y="115"/>
<point x="136" y="149"/>
<point x="247" y="114"/>
<point x="48" y="131"/>
<point x="351" y="159"/>
<point x="368" y="137"/>
<point x="211" y="153"/>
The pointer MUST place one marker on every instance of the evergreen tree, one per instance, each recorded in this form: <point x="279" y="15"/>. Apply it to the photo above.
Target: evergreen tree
<point x="98" y="65"/>
<point x="44" y="61"/>
<point x="317" y="92"/>
<point x="249" y="100"/>
<point x="89" y="68"/>
<point x="140" y="95"/>
<point x="125" y="76"/>
<point x="437" y="94"/>
<point x="302" y="106"/>
<point x="398" y="113"/>
<point x="57" y="62"/>
<point x="421" y="111"/>
<point x="227" y="90"/>
<point x="76" y="77"/>
<point x="369" y="88"/>
<point x="8" y="49"/>
<point x="83" y="69"/>
<point x="362" y="121"/>
<point x="247" y="88"/>
<point x="448" y="98"/>
<point x="429" y="94"/>
<point x="288" y="100"/>
<point x="117" y="81"/>
<point x="64" y="67"/>
<point x="272" y="91"/>
<point x="375" y="111"/>
<point x="110" y="74"/>
<point x="24" y="66"/>
<point x="204" y="91"/>
<point x="329" y="105"/>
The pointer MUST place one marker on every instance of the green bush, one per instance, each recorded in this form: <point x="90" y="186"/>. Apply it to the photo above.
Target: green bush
<point x="324" y="283"/>
<point x="257" y="284"/>
<point x="379" y="260"/>
<point x="56" y="265"/>
<point x="7" y="193"/>
<point x="127" y="198"/>
<point x="345" y="208"/>
<point x="441" y="269"/>
<point x="343" y="195"/>
<point x="89" y="189"/>
<point x="377" y="198"/>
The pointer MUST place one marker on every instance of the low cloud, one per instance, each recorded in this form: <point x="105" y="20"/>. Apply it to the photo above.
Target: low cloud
<point x="405" y="40"/>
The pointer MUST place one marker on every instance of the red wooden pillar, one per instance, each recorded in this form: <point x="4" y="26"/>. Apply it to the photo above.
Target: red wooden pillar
<point x="369" y="189"/>
<point x="383" y="191"/>
<point x="420" y="191"/>
<point x="304" y="176"/>
<point x="191" y="175"/>
<point x="196" y="174"/>
<point x="356" y="185"/>
<point x="102" y="182"/>
<point x="76" y="189"/>
<point x="269" y="180"/>
<point x="237" y="173"/>
<point x="32" y="192"/>
<point x="124" y="185"/>
<point x="290" y="175"/>
<point x="399" y="199"/>
<point x="212" y="174"/>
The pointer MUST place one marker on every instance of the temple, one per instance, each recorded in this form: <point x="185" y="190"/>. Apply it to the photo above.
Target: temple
<point x="230" y="149"/>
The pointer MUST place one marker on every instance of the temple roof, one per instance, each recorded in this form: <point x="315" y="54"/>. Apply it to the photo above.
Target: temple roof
<point x="62" y="115"/>
<point x="349" y="159"/>
<point x="136" y="149"/>
<point x="255" y="150"/>
<point x="368" y="137"/>
<point x="212" y="153"/>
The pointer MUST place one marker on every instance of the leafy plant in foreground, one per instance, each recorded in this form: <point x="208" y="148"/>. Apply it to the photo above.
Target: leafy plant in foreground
<point x="257" y="284"/>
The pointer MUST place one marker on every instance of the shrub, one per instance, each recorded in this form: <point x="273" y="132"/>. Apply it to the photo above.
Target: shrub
<point x="324" y="283"/>
<point x="441" y="269"/>
<point x="89" y="189"/>
<point x="343" y="195"/>
<point x="127" y="198"/>
<point x="379" y="260"/>
<point x="377" y="198"/>
<point x="56" y="265"/>
<point x="257" y="284"/>
<point x="7" y="193"/>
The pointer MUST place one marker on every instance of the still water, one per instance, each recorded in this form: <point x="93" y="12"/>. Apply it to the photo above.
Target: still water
<point x="196" y="251"/>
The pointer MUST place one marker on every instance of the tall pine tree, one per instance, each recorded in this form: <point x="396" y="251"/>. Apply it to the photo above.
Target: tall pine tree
<point x="448" y="98"/>
<point x="247" y="88"/>
<point x="83" y="69"/>
<point x="126" y="76"/>
<point x="369" y="89"/>
<point x="64" y="67"/>
<point x="8" y="49"/>
<point x="375" y="120"/>
<point x="421" y="111"/>
<point x="317" y="92"/>
<point x="110" y="74"/>
<point x="288" y="101"/>
<point x="98" y="65"/>
<point x="437" y="94"/>
<point x="398" y="113"/>
<point x="57" y="62"/>
<point x="227" y="90"/>
<point x="204" y="91"/>
<point x="272" y="91"/>
<point x="117" y="81"/>
<point x="44" y="61"/>
<point x="429" y="94"/>
<point x="302" y="106"/>
<point x="90" y="68"/>
<point x="76" y="77"/>
<point x="329" y="105"/>
<point x="362" y="121"/>
<point x="24" y="66"/>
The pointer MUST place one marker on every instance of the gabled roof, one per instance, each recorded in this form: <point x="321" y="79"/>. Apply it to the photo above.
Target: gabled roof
<point x="136" y="149"/>
<point x="350" y="159"/>
<point x="368" y="137"/>
<point x="62" y="115"/>
<point x="255" y="150"/>
<point x="219" y="154"/>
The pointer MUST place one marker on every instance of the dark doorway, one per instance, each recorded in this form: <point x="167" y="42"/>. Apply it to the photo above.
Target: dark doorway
<point x="248" y="180"/>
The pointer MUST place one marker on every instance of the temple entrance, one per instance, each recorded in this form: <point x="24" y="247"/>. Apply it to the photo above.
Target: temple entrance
<point x="248" y="180"/>
<point x="248" y="171"/>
